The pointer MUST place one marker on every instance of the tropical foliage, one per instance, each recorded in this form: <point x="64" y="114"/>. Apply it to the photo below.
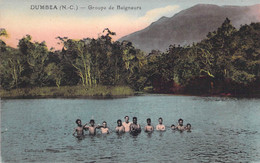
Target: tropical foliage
<point x="228" y="61"/>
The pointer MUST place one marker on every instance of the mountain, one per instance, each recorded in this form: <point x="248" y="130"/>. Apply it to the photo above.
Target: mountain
<point x="191" y="25"/>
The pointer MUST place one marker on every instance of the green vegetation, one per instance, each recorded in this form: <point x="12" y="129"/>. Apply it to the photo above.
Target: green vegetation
<point x="226" y="62"/>
<point x="68" y="92"/>
<point x="100" y="66"/>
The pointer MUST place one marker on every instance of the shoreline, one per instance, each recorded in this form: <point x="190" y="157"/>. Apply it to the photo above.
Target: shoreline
<point x="98" y="92"/>
<point x="256" y="96"/>
<point x="69" y="97"/>
<point x="109" y="97"/>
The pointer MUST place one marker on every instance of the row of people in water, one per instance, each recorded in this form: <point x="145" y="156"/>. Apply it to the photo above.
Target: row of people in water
<point x="132" y="127"/>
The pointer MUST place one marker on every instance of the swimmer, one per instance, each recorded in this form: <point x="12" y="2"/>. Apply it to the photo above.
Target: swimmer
<point x="180" y="126"/>
<point x="79" y="129"/>
<point x="173" y="127"/>
<point x="134" y="127"/>
<point x="148" y="127"/>
<point x="188" y="127"/>
<point x="92" y="128"/>
<point x="120" y="129"/>
<point x="104" y="129"/>
<point x="127" y="124"/>
<point x="160" y="126"/>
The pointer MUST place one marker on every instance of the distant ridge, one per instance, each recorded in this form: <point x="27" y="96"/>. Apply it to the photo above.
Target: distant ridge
<point x="190" y="25"/>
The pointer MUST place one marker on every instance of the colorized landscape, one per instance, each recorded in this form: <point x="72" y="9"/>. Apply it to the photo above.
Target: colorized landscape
<point x="197" y="51"/>
<point x="225" y="63"/>
<point x="92" y="60"/>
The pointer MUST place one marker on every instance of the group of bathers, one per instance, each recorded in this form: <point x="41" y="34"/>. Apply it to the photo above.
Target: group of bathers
<point x="126" y="126"/>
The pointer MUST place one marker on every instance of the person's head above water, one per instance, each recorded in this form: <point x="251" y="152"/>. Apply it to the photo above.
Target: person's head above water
<point x="104" y="124"/>
<point x="148" y="121"/>
<point x="160" y="120"/>
<point x="180" y="121"/>
<point x="188" y="126"/>
<point x="92" y="122"/>
<point x="119" y="122"/>
<point x="134" y="120"/>
<point x="78" y="121"/>
<point x="126" y="119"/>
<point x="173" y="127"/>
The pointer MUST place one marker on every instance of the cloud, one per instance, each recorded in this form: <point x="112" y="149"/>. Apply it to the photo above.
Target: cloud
<point x="155" y="14"/>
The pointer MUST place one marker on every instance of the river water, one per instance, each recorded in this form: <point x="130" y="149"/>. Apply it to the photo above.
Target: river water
<point x="40" y="130"/>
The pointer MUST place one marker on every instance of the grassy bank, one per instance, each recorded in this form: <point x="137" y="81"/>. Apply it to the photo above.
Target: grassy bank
<point x="67" y="92"/>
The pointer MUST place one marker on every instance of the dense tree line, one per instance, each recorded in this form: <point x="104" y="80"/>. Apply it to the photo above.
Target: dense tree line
<point x="227" y="60"/>
<point x="88" y="62"/>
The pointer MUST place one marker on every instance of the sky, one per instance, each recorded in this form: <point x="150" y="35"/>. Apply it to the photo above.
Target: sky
<point x="88" y="18"/>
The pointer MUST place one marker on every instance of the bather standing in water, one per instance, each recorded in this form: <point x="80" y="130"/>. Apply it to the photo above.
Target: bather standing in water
<point x="92" y="128"/>
<point x="134" y="127"/>
<point x="160" y="126"/>
<point x="120" y="129"/>
<point x="79" y="129"/>
<point x="104" y="129"/>
<point x="148" y="127"/>
<point x="127" y="124"/>
<point x="173" y="127"/>
<point x="180" y="126"/>
<point x="188" y="127"/>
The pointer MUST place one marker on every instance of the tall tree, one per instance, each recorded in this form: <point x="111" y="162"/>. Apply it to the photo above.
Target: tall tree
<point x="35" y="56"/>
<point x="11" y="68"/>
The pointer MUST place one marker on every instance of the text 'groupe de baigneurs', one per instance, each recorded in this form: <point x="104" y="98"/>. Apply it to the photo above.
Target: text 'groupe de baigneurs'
<point x="89" y="7"/>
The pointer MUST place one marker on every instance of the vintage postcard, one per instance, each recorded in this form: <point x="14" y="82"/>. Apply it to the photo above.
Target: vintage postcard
<point x="130" y="81"/>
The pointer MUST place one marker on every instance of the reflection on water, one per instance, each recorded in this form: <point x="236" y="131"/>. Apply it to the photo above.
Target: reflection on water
<point x="223" y="130"/>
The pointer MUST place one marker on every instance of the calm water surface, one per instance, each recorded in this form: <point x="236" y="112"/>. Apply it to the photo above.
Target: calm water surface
<point x="40" y="130"/>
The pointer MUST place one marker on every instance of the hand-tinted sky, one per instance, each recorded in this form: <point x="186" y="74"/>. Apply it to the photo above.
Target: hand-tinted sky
<point x="19" y="18"/>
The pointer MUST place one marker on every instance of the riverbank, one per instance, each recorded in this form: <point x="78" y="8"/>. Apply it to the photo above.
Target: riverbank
<point x="101" y="92"/>
<point x="68" y="92"/>
<point x="201" y="93"/>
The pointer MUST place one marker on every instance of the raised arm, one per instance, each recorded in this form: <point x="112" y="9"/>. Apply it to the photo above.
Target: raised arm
<point x="85" y="127"/>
